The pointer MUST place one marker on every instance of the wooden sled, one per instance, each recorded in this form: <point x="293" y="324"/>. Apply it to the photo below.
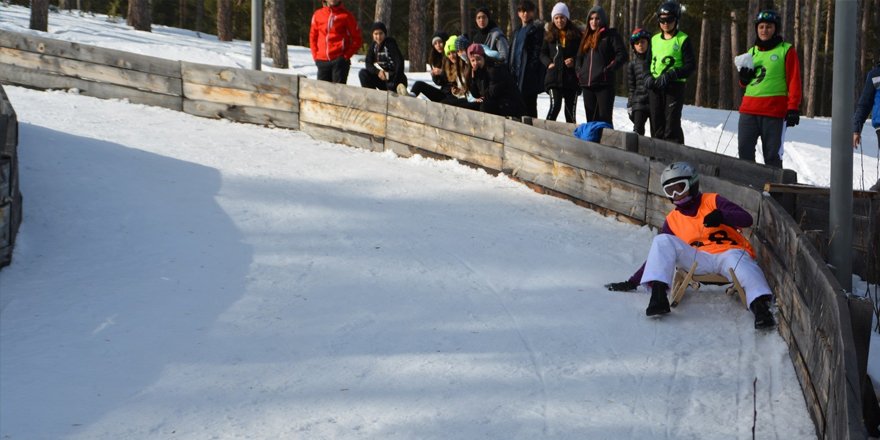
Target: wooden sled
<point x="682" y="280"/>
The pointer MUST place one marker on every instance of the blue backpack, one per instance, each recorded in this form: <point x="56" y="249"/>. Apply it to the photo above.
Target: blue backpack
<point x="592" y="131"/>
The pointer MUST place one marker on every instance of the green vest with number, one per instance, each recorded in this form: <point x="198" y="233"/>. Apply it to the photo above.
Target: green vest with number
<point x="769" y="72"/>
<point x="666" y="54"/>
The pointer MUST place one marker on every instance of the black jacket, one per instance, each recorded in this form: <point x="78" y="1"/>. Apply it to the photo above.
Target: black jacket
<point x="389" y="58"/>
<point x="638" y="69"/>
<point x="597" y="66"/>
<point x="525" y="58"/>
<point x="560" y="76"/>
<point x="497" y="87"/>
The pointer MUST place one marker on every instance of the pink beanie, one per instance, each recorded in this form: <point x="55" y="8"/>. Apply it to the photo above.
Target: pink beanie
<point x="476" y="49"/>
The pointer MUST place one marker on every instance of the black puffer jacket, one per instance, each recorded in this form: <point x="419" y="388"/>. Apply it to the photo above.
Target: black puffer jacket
<point x="638" y="69"/>
<point x="552" y="52"/>
<point x="494" y="83"/>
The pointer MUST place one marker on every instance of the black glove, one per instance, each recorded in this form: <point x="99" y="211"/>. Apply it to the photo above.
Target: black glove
<point x="746" y="75"/>
<point x="623" y="286"/>
<point x="713" y="219"/>
<point x="649" y="82"/>
<point x="663" y="80"/>
<point x="792" y="118"/>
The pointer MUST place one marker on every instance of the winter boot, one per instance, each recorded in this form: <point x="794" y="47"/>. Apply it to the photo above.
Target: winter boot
<point x="659" y="303"/>
<point x="401" y="90"/>
<point x="763" y="316"/>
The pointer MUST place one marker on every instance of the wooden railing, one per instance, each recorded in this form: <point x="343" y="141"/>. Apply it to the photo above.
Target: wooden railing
<point x="10" y="195"/>
<point x="618" y="176"/>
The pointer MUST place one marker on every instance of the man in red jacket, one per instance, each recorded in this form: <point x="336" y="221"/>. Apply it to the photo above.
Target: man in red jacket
<point x="334" y="37"/>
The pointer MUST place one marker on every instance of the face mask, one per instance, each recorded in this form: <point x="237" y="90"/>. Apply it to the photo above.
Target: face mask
<point x="683" y="201"/>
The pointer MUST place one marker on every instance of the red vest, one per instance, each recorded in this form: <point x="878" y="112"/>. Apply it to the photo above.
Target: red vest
<point x="712" y="240"/>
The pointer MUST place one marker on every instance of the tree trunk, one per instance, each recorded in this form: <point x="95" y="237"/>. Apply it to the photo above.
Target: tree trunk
<point x="437" y="25"/>
<point x="810" y="109"/>
<point x="383" y="13"/>
<point x="700" y="99"/>
<point x="224" y="20"/>
<point x="787" y="19"/>
<point x="866" y="28"/>
<point x="825" y="104"/>
<point x="275" y="33"/>
<point x="181" y="14"/>
<point x="612" y="14"/>
<point x="465" y="17"/>
<point x="735" y="49"/>
<point x="796" y="27"/>
<point x="417" y="39"/>
<point x="725" y="60"/>
<point x="200" y="15"/>
<point x="806" y="41"/>
<point x="513" y="24"/>
<point x="40" y="15"/>
<point x="750" y="22"/>
<point x="139" y="15"/>
<point x="541" y="10"/>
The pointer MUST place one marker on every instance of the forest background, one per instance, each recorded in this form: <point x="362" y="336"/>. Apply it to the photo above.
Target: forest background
<point x="720" y="29"/>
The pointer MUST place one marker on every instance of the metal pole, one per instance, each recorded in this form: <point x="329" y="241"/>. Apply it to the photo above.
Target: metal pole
<point x="256" y="33"/>
<point x="841" y="205"/>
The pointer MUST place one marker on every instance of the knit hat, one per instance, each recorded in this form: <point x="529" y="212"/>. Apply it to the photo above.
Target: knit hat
<point x="439" y="36"/>
<point x="380" y="26"/>
<point x="476" y="49"/>
<point x="560" y="9"/>
<point x="450" y="45"/>
<point x="462" y="42"/>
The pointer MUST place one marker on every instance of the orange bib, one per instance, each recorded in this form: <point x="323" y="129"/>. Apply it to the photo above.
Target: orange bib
<point x="711" y="240"/>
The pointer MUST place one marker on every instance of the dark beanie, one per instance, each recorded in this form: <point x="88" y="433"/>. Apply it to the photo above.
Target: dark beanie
<point x="462" y="42"/>
<point x="380" y="26"/>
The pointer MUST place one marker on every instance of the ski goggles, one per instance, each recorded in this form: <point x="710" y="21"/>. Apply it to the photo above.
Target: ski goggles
<point x="676" y="188"/>
<point x="664" y="20"/>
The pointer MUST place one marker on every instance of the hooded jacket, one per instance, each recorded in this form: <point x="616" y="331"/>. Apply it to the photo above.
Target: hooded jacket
<point x="492" y="37"/>
<point x="597" y="66"/>
<point x="334" y="33"/>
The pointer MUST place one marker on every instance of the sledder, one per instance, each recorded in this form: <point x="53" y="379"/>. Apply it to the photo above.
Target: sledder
<point x="703" y="228"/>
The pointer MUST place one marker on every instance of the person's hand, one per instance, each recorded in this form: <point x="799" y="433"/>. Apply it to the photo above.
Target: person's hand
<point x="383" y="76"/>
<point x="746" y="75"/>
<point x="623" y="286"/>
<point x="436" y="71"/>
<point x="569" y="62"/>
<point x="713" y="219"/>
<point x="857" y="140"/>
<point x="552" y="65"/>
<point x="792" y="118"/>
<point x="665" y="79"/>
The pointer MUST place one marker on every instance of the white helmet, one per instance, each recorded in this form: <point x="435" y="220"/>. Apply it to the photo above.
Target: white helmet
<point x="678" y="172"/>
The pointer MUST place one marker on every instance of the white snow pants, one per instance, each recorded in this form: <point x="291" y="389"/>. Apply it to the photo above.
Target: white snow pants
<point x="668" y="252"/>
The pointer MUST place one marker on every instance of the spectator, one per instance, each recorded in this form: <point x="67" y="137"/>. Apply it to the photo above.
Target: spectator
<point x="703" y="228"/>
<point x="638" y="71"/>
<point x="436" y="58"/>
<point x="384" y="62"/>
<point x="600" y="55"/>
<point x="525" y="57"/>
<point x="334" y="37"/>
<point x="770" y="72"/>
<point x="672" y="61"/>
<point x="868" y="104"/>
<point x="558" y="53"/>
<point x="489" y="34"/>
<point x="492" y="85"/>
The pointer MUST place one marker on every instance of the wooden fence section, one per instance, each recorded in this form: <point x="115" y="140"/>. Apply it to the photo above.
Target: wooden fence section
<point x="618" y="177"/>
<point x="814" y="319"/>
<point x="241" y="95"/>
<point x="46" y="63"/>
<point x="10" y="196"/>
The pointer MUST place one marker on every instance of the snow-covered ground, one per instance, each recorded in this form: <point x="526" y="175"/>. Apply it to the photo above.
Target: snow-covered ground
<point x="180" y="277"/>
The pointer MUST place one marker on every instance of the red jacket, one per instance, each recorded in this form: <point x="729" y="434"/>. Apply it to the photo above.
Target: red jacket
<point x="334" y="33"/>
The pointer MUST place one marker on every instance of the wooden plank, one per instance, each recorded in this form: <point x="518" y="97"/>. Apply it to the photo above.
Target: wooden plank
<point x="810" y="397"/>
<point x="468" y="122"/>
<point x="259" y="82"/>
<point x="91" y="71"/>
<point x="594" y="188"/>
<point x="348" y="119"/>
<point x="10" y="74"/>
<point x="223" y="95"/>
<point x="401" y="149"/>
<point x="656" y="210"/>
<point x="622" y="140"/>
<point x="778" y="228"/>
<point x="563" y="128"/>
<point x="621" y="165"/>
<point x="250" y="115"/>
<point x="814" y="190"/>
<point x="92" y="54"/>
<point x="414" y="110"/>
<point x="350" y="138"/>
<point x="355" y="98"/>
<point x="447" y="143"/>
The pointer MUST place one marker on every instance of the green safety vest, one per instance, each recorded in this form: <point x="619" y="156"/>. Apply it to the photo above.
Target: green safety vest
<point x="666" y="54"/>
<point x="769" y="72"/>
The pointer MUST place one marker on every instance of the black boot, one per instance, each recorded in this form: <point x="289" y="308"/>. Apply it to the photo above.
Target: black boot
<point x="659" y="303"/>
<point x="763" y="316"/>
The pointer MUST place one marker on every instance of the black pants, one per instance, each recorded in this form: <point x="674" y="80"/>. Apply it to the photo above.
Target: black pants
<point x="430" y="92"/>
<point x="371" y="80"/>
<point x="666" y="105"/>
<point x="531" y="102"/>
<point x="639" y="117"/>
<point x="335" y="71"/>
<point x="557" y="95"/>
<point x="502" y="107"/>
<point x="770" y="130"/>
<point x="599" y="103"/>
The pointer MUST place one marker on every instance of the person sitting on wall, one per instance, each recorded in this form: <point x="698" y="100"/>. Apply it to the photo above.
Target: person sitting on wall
<point x="703" y="228"/>
<point x="384" y="62"/>
<point x="493" y="86"/>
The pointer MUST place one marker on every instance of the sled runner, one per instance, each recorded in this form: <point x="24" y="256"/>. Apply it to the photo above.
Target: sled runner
<point x="682" y="280"/>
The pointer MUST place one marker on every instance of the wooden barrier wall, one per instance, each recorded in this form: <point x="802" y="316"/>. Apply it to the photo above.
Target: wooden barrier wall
<point x="619" y="176"/>
<point x="10" y="195"/>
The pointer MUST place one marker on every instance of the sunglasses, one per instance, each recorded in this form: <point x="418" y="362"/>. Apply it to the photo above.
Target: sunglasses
<point x="665" y="20"/>
<point x="676" y="188"/>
